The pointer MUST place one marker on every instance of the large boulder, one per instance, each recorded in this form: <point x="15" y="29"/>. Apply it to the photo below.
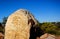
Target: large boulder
<point x="18" y="25"/>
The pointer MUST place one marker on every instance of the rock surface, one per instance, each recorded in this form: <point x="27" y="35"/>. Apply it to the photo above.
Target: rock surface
<point x="17" y="26"/>
<point x="1" y="36"/>
<point x="48" y="36"/>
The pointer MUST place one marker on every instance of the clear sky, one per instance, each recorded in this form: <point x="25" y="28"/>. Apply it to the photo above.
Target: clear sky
<point x="43" y="10"/>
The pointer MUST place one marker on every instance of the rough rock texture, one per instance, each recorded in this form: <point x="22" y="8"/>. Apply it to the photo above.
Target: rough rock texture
<point x="48" y="36"/>
<point x="58" y="37"/>
<point x="17" y="26"/>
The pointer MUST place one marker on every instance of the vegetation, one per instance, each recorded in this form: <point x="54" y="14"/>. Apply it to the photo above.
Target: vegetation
<point x="47" y="27"/>
<point x="51" y="27"/>
<point x="2" y="24"/>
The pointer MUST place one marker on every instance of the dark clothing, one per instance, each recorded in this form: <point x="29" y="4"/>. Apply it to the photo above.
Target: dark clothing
<point x="32" y="33"/>
<point x="35" y="32"/>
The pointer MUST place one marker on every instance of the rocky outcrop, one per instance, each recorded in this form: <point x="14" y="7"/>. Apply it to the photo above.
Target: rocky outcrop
<point x="18" y="25"/>
<point x="48" y="36"/>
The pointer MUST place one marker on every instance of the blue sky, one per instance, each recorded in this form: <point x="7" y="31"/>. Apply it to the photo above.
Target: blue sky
<point x="44" y="11"/>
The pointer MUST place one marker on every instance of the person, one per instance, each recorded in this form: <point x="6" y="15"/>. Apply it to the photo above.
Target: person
<point x="35" y="30"/>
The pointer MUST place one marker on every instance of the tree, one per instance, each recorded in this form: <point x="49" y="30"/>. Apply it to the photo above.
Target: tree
<point x="58" y="24"/>
<point x="3" y="24"/>
<point x="1" y="28"/>
<point x="4" y="21"/>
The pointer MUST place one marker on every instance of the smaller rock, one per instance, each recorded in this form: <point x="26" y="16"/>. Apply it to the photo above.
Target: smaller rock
<point x="1" y="36"/>
<point x="48" y="36"/>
